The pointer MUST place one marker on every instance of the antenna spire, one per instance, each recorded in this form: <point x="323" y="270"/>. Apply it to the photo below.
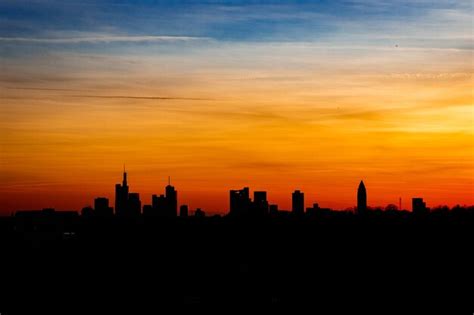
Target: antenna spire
<point x="124" y="176"/>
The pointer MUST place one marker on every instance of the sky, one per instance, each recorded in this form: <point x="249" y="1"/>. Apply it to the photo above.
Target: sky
<point x="274" y="95"/>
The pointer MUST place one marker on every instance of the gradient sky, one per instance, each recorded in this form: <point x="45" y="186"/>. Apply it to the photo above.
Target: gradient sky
<point x="275" y="95"/>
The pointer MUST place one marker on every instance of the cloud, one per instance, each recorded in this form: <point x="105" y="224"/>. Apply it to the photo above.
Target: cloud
<point x="164" y="98"/>
<point x="101" y="39"/>
<point x="140" y="97"/>
<point x="44" y="89"/>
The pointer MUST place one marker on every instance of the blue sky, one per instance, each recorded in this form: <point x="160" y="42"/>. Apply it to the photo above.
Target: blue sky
<point x="224" y="20"/>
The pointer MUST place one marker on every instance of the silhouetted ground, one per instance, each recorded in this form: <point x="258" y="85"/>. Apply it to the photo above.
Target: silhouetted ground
<point x="338" y="263"/>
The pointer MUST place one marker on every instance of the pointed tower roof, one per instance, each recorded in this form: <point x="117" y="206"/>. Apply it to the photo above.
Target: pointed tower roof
<point x="124" y="176"/>
<point x="361" y="188"/>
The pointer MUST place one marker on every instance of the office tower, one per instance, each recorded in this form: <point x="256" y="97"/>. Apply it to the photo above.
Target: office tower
<point x="297" y="202"/>
<point x="361" y="198"/>
<point x="260" y="203"/>
<point x="166" y="205"/>
<point x="183" y="211"/>
<point x="240" y="201"/>
<point x="159" y="205"/>
<point x="171" y="201"/>
<point x="121" y="196"/>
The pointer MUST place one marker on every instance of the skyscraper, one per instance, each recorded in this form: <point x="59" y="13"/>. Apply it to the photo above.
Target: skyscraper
<point x="361" y="198"/>
<point x="165" y="205"/>
<point x="260" y="202"/>
<point x="171" y="201"/>
<point x="240" y="201"/>
<point x="158" y="204"/>
<point x="121" y="196"/>
<point x="297" y="202"/>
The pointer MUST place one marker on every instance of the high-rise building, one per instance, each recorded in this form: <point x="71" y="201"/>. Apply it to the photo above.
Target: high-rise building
<point x="361" y="198"/>
<point x="240" y="201"/>
<point x="297" y="202"/>
<point x="158" y="204"/>
<point x="171" y="201"/>
<point x="260" y="203"/>
<point x="165" y="205"/>
<point x="134" y="204"/>
<point x="121" y="196"/>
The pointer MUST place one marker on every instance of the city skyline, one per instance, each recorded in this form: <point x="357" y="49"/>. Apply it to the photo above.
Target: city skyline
<point x="236" y="155"/>
<point x="222" y="94"/>
<point x="240" y="203"/>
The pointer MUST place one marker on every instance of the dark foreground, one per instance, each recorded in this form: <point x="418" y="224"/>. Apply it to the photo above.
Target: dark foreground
<point x="340" y="264"/>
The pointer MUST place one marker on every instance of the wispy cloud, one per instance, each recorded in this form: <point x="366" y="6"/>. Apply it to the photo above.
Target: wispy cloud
<point x="163" y="98"/>
<point x="43" y="89"/>
<point x="101" y="39"/>
<point x="140" y="97"/>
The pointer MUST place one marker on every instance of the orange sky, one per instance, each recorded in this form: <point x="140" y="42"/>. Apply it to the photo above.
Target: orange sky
<point x="319" y="128"/>
<point x="215" y="115"/>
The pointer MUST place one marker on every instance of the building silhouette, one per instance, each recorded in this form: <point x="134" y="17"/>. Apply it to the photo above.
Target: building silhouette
<point x="297" y="203"/>
<point x="101" y="207"/>
<point x="240" y="202"/>
<point x="163" y="205"/>
<point x="313" y="210"/>
<point x="134" y="205"/>
<point x="158" y="204"/>
<point x="88" y="211"/>
<point x="171" y="201"/>
<point x="126" y="203"/>
<point x="242" y="205"/>
<point x="361" y="198"/>
<point x="260" y="203"/>
<point x="121" y="196"/>
<point x="199" y="213"/>
<point x="166" y="205"/>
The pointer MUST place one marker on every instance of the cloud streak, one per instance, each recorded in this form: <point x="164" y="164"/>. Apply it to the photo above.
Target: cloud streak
<point x="101" y="39"/>
<point x="163" y="98"/>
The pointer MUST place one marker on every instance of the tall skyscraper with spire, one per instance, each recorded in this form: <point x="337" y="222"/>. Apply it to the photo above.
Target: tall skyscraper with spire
<point x="171" y="200"/>
<point x="361" y="198"/>
<point x="121" y="196"/>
